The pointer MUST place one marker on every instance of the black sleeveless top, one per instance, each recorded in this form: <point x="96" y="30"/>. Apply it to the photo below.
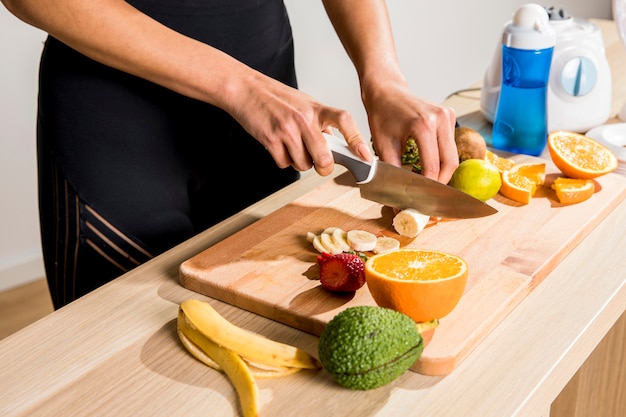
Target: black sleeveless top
<point x="249" y="30"/>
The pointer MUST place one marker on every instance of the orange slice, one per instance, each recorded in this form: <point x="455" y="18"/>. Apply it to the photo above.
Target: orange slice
<point x="571" y="191"/>
<point x="423" y="284"/>
<point x="499" y="162"/>
<point x="579" y="156"/>
<point x="521" y="181"/>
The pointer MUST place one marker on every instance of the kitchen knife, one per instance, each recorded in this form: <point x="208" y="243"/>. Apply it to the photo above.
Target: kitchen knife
<point x="400" y="188"/>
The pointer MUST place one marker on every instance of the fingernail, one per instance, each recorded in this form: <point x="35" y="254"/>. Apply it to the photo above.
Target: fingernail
<point x="364" y="151"/>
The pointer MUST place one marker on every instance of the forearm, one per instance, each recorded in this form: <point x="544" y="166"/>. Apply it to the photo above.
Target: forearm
<point x="394" y="112"/>
<point x="116" y="34"/>
<point x="365" y="32"/>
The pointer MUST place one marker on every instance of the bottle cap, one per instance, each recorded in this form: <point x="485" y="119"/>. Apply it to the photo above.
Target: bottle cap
<point x="529" y="29"/>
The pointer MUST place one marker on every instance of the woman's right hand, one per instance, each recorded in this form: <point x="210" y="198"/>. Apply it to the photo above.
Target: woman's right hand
<point x="286" y="121"/>
<point x="289" y="123"/>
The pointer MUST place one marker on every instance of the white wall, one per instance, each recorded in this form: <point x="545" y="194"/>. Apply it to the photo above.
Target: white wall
<point x="20" y="250"/>
<point x="443" y="46"/>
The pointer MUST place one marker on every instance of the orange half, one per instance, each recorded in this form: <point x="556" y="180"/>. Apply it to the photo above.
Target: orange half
<point x="423" y="284"/>
<point x="579" y="156"/>
<point x="520" y="182"/>
<point x="571" y="191"/>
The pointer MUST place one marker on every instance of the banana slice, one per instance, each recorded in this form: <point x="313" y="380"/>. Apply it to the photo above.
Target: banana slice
<point x="386" y="244"/>
<point x="340" y="237"/>
<point x="332" y="240"/>
<point x="318" y="245"/>
<point x="409" y="222"/>
<point x="331" y="230"/>
<point x="200" y="317"/>
<point x="361" y="240"/>
<point x="329" y="243"/>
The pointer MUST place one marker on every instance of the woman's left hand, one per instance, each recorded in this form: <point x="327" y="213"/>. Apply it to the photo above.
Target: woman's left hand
<point x="395" y="115"/>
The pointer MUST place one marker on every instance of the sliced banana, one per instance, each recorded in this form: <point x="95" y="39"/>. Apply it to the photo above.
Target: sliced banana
<point x="336" y="240"/>
<point x="330" y="245"/>
<point x="318" y="245"/>
<point x="410" y="222"/>
<point x="361" y="240"/>
<point x="332" y="240"/>
<point x="386" y="244"/>
<point x="310" y="236"/>
<point x="340" y="237"/>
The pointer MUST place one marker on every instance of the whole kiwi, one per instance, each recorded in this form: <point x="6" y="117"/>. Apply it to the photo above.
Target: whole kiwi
<point x="470" y="143"/>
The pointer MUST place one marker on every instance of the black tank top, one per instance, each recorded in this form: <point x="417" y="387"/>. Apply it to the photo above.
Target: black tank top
<point x="251" y="31"/>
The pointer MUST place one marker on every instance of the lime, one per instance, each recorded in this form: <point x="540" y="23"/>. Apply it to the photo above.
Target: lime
<point x="478" y="178"/>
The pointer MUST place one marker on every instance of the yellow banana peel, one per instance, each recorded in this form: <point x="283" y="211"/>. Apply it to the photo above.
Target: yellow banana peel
<point x="249" y="345"/>
<point x="242" y="355"/>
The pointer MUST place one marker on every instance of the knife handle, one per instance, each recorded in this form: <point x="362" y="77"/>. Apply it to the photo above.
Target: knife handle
<point x="362" y="170"/>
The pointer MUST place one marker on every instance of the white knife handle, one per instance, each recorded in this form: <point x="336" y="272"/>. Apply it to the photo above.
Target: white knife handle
<point x="362" y="170"/>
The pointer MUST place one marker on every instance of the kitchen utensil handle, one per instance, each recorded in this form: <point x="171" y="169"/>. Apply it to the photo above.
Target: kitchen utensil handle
<point x="362" y="170"/>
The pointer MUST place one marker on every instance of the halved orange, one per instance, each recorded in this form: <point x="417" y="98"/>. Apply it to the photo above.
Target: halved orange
<point x="423" y="284"/>
<point x="579" y="156"/>
<point x="498" y="161"/>
<point x="521" y="181"/>
<point x="570" y="190"/>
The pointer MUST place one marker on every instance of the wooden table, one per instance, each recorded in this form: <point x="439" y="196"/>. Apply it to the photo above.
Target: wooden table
<point x="114" y="352"/>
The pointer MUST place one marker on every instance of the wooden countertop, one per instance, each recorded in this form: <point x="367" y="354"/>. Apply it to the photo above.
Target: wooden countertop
<point x="115" y="352"/>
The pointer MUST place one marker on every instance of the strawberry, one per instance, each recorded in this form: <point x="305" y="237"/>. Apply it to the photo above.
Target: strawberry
<point x="344" y="272"/>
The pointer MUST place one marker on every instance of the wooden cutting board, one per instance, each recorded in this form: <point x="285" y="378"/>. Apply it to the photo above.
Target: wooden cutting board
<point x="269" y="268"/>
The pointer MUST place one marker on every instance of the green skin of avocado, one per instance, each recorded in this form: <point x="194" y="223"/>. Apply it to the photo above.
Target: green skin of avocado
<point x="366" y="347"/>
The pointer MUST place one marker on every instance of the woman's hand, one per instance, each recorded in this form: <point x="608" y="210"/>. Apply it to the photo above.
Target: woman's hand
<point x="289" y="123"/>
<point x="395" y="115"/>
<point x="286" y="121"/>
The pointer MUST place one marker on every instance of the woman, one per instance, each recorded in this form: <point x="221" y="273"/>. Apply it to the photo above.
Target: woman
<point x="149" y="111"/>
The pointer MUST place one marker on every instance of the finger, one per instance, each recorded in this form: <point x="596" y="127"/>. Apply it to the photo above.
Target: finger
<point x="280" y="155"/>
<point x="428" y="148"/>
<point x="448" y="154"/>
<point x="358" y="145"/>
<point x="437" y="147"/>
<point x="316" y="148"/>
<point x="297" y="153"/>
<point x="345" y="124"/>
<point x="285" y="153"/>
<point x="389" y="149"/>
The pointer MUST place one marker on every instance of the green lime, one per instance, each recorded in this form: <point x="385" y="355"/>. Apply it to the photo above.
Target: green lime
<point x="478" y="178"/>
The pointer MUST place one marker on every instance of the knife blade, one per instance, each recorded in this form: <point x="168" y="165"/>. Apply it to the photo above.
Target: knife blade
<point x="400" y="188"/>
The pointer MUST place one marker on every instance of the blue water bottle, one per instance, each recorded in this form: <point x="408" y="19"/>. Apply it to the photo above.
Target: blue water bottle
<point x="521" y="121"/>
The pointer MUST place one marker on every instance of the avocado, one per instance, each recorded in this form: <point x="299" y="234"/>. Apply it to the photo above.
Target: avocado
<point x="366" y="347"/>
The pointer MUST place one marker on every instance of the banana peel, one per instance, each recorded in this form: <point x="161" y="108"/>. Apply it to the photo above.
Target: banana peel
<point x="242" y="355"/>
<point x="230" y="363"/>
<point x="252" y="346"/>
